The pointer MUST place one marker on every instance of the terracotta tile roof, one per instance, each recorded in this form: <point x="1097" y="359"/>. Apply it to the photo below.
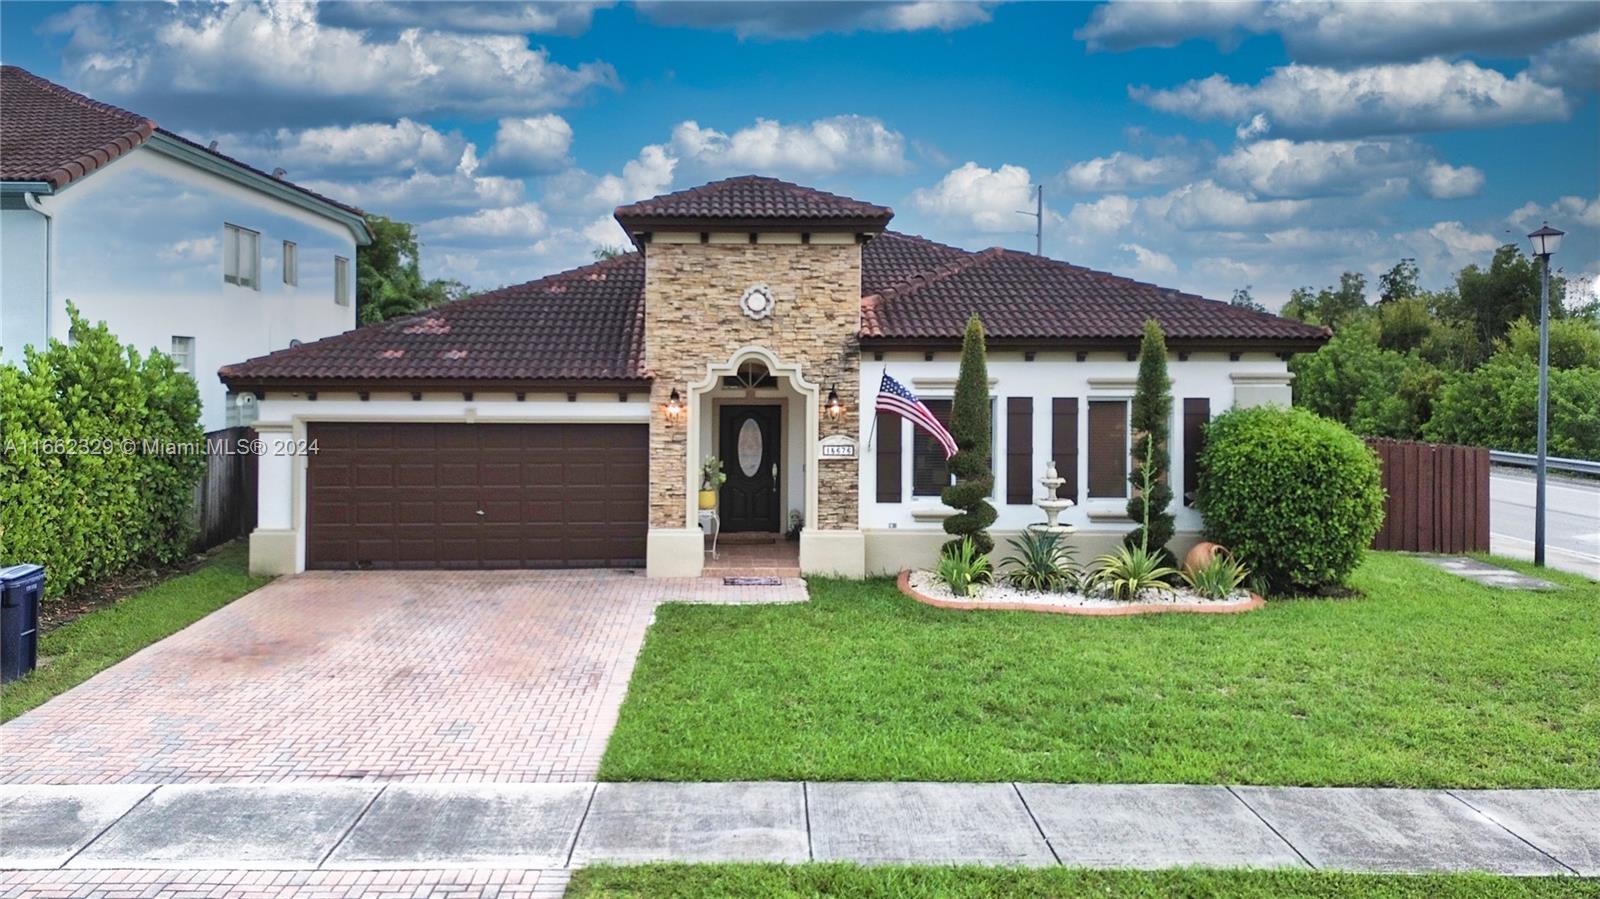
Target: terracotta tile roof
<point x="577" y="326"/>
<point x="50" y="134"/>
<point x="1023" y="297"/>
<point x="752" y="199"/>
<point x="587" y="324"/>
<point x="892" y="257"/>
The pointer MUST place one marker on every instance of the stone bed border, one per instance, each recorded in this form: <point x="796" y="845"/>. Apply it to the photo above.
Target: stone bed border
<point x="1141" y="608"/>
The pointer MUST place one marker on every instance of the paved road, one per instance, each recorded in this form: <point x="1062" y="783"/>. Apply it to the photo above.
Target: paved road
<point x="1572" y="520"/>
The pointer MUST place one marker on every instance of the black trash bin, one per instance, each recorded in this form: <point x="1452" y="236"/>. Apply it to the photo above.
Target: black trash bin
<point x="21" y="588"/>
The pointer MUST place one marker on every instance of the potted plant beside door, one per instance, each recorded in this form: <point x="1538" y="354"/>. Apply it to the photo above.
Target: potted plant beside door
<point x="711" y="477"/>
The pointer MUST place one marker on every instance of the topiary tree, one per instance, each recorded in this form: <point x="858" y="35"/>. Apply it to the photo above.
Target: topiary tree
<point x="970" y="426"/>
<point x="1152" y="455"/>
<point x="1295" y="496"/>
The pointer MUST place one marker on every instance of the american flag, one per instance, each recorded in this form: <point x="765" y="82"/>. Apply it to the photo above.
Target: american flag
<point x="894" y="397"/>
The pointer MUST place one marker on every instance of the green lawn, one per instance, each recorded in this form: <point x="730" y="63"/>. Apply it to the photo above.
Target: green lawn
<point x="775" y="881"/>
<point x="85" y="646"/>
<point x="1429" y="680"/>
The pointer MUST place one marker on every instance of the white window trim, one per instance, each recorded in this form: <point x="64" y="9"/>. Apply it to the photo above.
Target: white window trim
<point x="1107" y="506"/>
<point x="341" y="280"/>
<point x="187" y="364"/>
<point x="908" y="458"/>
<point x="236" y="278"/>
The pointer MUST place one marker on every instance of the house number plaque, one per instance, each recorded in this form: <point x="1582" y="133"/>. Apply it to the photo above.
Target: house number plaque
<point x="837" y="446"/>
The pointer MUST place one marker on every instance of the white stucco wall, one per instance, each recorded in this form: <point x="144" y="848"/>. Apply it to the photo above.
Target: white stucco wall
<point x="138" y="245"/>
<point x="1102" y="375"/>
<point x="22" y="281"/>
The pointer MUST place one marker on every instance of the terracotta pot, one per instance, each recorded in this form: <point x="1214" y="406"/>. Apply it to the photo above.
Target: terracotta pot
<point x="1202" y="554"/>
<point x="708" y="499"/>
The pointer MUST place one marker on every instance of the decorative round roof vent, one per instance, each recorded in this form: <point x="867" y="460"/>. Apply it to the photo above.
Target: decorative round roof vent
<point x="757" y="302"/>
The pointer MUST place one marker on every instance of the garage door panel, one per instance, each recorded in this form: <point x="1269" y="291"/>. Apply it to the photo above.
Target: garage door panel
<point x="408" y="495"/>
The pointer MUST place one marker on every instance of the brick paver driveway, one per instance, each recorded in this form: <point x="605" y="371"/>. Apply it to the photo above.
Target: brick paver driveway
<point x="441" y="676"/>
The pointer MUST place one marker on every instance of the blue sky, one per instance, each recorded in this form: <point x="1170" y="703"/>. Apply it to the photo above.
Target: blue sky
<point x="1200" y="146"/>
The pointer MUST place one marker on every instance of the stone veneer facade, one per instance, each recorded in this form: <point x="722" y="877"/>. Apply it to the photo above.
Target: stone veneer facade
<point x="693" y="319"/>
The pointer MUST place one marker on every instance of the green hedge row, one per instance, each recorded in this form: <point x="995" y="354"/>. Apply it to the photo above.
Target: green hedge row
<point x="94" y="478"/>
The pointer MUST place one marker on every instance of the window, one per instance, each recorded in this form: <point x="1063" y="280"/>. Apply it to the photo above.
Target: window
<point x="1196" y="412"/>
<point x="1108" y="448"/>
<point x="183" y="354"/>
<point x="341" y="280"/>
<point x="929" y="474"/>
<point x="291" y="263"/>
<point x="241" y="256"/>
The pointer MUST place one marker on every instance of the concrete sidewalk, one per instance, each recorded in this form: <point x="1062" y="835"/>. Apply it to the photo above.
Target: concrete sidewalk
<point x="407" y="826"/>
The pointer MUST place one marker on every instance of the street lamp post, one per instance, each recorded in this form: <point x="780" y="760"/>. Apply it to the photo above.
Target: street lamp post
<point x="1545" y="241"/>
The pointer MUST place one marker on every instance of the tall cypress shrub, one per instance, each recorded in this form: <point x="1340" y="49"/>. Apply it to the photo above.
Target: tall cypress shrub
<point x="970" y="426"/>
<point x="1152" y="458"/>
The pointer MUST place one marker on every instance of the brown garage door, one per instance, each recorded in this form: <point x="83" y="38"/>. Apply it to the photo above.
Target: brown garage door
<point x="477" y="496"/>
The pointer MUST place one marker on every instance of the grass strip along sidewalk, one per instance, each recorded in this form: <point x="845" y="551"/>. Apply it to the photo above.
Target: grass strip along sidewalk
<point x="828" y="880"/>
<point x="91" y="643"/>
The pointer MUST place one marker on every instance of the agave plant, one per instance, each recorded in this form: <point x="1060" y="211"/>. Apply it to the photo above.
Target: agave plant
<point x="961" y="566"/>
<point x="1042" y="562"/>
<point x="1129" y="571"/>
<point x="1217" y="578"/>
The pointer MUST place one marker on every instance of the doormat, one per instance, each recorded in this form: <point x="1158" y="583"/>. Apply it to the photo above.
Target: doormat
<point x="752" y="582"/>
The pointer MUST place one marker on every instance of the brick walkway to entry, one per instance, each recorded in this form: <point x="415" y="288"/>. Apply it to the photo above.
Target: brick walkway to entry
<point x="425" y="676"/>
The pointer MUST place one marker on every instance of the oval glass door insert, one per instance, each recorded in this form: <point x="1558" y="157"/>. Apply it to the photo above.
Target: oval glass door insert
<point x="749" y="447"/>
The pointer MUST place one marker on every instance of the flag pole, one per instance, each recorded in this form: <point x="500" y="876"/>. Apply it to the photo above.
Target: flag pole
<point x="872" y="432"/>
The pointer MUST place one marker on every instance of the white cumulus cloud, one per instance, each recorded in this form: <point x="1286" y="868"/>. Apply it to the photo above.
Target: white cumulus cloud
<point x="825" y="146"/>
<point x="1311" y="101"/>
<point x="982" y="198"/>
<point x="531" y="145"/>
<point x="363" y="147"/>
<point x="1448" y="182"/>
<point x="523" y="222"/>
<point x="1125" y="171"/>
<point x="787" y="20"/>
<point x="191" y="63"/>
<point x="1150" y="262"/>
<point x="1339" y="32"/>
<point x="1574" y="62"/>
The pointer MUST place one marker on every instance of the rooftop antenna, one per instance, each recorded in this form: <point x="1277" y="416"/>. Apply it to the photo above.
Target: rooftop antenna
<point x="1038" y="219"/>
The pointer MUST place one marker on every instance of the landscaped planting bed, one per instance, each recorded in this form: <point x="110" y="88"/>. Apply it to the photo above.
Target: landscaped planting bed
<point x="1422" y="680"/>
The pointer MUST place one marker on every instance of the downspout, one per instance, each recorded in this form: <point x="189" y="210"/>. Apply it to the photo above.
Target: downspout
<point x="32" y="202"/>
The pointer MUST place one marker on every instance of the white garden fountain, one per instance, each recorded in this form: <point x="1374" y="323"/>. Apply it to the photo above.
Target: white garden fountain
<point x="1052" y="505"/>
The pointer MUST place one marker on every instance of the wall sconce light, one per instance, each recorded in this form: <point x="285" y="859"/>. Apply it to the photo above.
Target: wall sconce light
<point x="674" y="407"/>
<point x="835" y="408"/>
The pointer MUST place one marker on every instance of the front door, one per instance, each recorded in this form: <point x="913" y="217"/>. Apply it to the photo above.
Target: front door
<point x="749" y="451"/>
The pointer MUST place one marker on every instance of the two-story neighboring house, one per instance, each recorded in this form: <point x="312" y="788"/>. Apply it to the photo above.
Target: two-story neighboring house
<point x="174" y="245"/>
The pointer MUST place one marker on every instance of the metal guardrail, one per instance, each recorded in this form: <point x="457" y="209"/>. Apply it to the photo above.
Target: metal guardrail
<point x="1553" y="463"/>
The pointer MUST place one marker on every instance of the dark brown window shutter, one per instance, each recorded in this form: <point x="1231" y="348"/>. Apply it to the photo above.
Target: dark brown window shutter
<point x="1064" y="443"/>
<point x="888" y="455"/>
<point x="1019" y="450"/>
<point x="1108" y="448"/>
<point x="1196" y="412"/>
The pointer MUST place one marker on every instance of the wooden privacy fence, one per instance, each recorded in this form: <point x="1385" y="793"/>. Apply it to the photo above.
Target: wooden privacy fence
<point x="225" y="498"/>
<point x="1438" y="497"/>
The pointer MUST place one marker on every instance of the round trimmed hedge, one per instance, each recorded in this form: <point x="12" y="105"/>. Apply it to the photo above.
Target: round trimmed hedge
<point x="1296" y="496"/>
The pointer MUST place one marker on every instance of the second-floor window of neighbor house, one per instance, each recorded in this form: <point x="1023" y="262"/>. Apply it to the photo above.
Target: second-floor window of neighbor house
<point x="183" y="354"/>
<point x="291" y="263"/>
<point x="241" y="256"/>
<point x="341" y="280"/>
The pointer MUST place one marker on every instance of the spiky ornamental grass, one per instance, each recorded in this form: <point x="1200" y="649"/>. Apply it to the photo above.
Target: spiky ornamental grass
<point x="970" y="426"/>
<point x="1152" y="453"/>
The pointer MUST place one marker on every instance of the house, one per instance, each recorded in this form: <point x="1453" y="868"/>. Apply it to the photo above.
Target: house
<point x="174" y="245"/>
<point x="562" y="422"/>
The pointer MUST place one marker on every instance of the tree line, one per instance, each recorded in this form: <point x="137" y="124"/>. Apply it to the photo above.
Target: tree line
<point x="1454" y="365"/>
